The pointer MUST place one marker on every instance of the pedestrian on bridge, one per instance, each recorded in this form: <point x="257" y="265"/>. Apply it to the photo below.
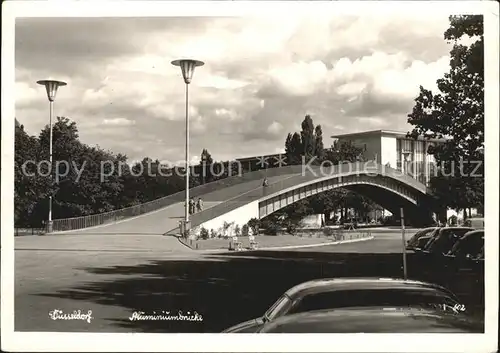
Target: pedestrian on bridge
<point x="191" y="206"/>
<point x="199" y="205"/>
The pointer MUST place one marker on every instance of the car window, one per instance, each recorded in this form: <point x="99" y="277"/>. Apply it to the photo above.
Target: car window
<point x="424" y="233"/>
<point x="470" y="245"/>
<point x="446" y="239"/>
<point x="277" y="308"/>
<point x="376" y="297"/>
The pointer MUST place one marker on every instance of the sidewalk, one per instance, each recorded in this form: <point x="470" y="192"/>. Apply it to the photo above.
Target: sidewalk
<point x="269" y="242"/>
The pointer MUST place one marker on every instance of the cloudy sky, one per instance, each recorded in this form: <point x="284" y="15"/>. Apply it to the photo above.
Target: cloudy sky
<point x="261" y="77"/>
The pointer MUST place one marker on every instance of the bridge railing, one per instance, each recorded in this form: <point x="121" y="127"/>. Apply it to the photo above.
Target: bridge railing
<point x="74" y="223"/>
<point x="302" y="174"/>
<point x="306" y="175"/>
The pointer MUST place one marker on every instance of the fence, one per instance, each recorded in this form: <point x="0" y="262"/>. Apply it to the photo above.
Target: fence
<point x="20" y="231"/>
<point x="124" y="213"/>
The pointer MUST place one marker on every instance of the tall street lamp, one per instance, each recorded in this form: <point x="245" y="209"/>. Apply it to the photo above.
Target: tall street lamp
<point x="51" y="86"/>
<point x="187" y="67"/>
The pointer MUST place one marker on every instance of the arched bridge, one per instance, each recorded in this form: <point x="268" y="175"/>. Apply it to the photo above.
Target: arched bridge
<point x="240" y="198"/>
<point x="384" y="185"/>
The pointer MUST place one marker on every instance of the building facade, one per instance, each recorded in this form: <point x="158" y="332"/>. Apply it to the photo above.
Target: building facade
<point x="396" y="150"/>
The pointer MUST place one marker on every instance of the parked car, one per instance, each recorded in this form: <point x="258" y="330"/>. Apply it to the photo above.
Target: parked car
<point x="475" y="222"/>
<point x="375" y="320"/>
<point x="351" y="292"/>
<point x="443" y="240"/>
<point x="470" y="246"/>
<point x="413" y="242"/>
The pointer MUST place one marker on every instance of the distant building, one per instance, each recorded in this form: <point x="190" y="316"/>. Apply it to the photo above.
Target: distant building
<point x="394" y="149"/>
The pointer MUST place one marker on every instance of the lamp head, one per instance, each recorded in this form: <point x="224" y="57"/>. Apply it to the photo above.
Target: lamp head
<point x="51" y="86"/>
<point x="187" y="66"/>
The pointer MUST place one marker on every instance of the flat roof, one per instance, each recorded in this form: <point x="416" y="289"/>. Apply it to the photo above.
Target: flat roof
<point x="372" y="132"/>
<point x="382" y="132"/>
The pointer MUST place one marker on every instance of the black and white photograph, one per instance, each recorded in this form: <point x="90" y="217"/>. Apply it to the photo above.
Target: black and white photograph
<point x="241" y="168"/>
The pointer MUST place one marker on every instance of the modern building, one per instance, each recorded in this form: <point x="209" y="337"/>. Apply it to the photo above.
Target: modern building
<point x="396" y="150"/>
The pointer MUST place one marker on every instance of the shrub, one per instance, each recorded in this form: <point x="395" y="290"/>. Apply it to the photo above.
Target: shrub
<point x="254" y="225"/>
<point x="334" y="233"/>
<point x="271" y="226"/>
<point x="329" y="232"/>
<point x="292" y="228"/>
<point x="237" y="230"/>
<point x="245" y="230"/>
<point x="204" y="234"/>
<point x="195" y="232"/>
<point x="213" y="233"/>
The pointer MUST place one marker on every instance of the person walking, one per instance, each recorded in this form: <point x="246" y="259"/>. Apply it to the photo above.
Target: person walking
<point x="265" y="183"/>
<point x="199" y="205"/>
<point x="191" y="206"/>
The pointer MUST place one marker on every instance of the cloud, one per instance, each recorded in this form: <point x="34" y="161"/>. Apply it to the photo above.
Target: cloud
<point x="275" y="128"/>
<point x="258" y="82"/>
<point x="118" y="122"/>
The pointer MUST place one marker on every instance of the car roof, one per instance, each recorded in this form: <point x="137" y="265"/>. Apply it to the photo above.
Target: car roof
<point x="373" y="320"/>
<point x="471" y="235"/>
<point x="358" y="283"/>
<point x="426" y="230"/>
<point x="456" y="228"/>
<point x="473" y="232"/>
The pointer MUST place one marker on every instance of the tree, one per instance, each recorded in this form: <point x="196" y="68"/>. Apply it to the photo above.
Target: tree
<point x="343" y="152"/>
<point x="318" y="143"/>
<point x="89" y="179"/>
<point x="30" y="189"/>
<point x="293" y="149"/>
<point x="456" y="113"/>
<point x="307" y="137"/>
<point x="206" y="162"/>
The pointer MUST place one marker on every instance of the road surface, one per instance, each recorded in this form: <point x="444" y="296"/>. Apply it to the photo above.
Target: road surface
<point x="115" y="278"/>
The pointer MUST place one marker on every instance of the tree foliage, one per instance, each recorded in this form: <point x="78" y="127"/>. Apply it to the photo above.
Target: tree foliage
<point x="456" y="113"/>
<point x="319" y="148"/>
<point x="206" y="162"/>
<point x="294" y="149"/>
<point x="308" y="138"/>
<point x="96" y="181"/>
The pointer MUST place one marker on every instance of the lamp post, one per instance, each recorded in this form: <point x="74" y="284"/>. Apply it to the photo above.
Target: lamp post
<point x="187" y="67"/>
<point x="51" y="87"/>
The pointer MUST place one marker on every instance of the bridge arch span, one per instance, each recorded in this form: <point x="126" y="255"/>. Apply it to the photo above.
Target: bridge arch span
<point x="386" y="186"/>
<point x="385" y="191"/>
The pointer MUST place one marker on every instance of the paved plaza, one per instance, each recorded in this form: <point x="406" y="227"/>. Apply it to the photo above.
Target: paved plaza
<point x="115" y="276"/>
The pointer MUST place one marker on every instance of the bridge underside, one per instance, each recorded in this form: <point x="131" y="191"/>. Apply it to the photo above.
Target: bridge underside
<point x="418" y="215"/>
<point x="388" y="193"/>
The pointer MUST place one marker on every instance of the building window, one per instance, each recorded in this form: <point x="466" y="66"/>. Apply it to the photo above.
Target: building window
<point x="407" y="145"/>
